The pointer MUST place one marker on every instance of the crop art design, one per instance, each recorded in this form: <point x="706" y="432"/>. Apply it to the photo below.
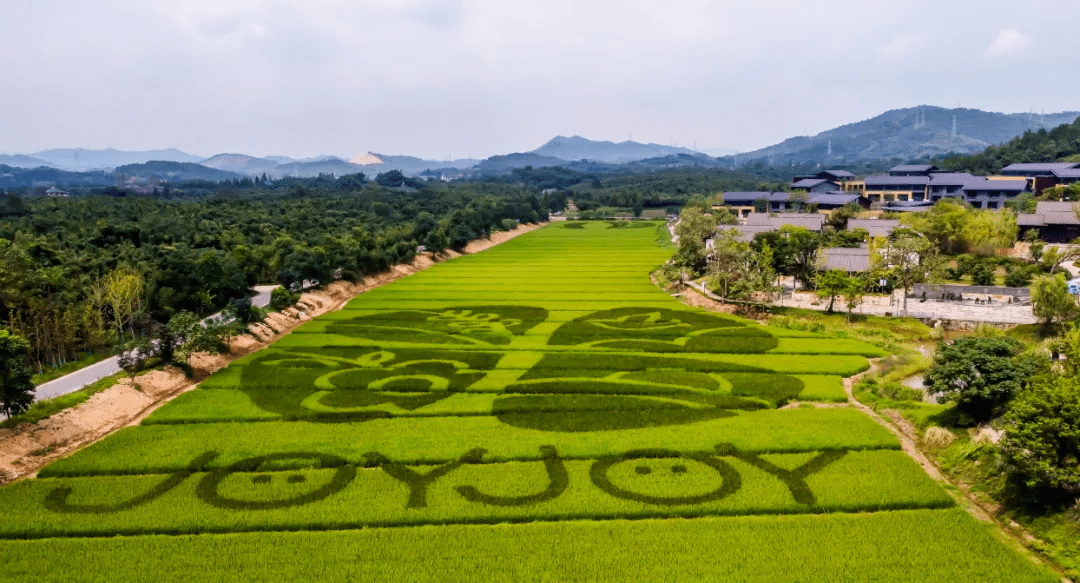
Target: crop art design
<point x="347" y="384"/>
<point x="466" y="326"/>
<point x="662" y="330"/>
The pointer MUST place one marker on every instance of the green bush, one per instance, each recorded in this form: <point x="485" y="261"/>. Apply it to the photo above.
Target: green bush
<point x="1042" y="434"/>
<point x="979" y="374"/>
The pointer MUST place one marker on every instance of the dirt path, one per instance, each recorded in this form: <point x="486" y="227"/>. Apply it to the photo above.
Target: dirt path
<point x="27" y="448"/>
<point x="908" y="436"/>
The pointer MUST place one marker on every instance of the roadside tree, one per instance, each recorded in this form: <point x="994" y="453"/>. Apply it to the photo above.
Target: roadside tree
<point x="16" y="387"/>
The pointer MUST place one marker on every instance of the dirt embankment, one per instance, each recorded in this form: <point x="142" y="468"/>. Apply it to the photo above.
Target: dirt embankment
<point x="27" y="448"/>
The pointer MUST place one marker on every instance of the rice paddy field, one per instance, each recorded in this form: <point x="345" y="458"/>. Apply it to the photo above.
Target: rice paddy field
<point x="536" y="412"/>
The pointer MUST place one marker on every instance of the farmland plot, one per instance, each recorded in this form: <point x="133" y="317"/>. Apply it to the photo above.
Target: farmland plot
<point x="539" y="411"/>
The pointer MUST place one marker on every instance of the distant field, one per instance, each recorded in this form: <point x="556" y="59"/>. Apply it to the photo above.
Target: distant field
<point x="536" y="412"/>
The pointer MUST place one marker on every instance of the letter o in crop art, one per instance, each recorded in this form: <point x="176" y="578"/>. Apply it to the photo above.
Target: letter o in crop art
<point x="655" y="476"/>
<point x="299" y="491"/>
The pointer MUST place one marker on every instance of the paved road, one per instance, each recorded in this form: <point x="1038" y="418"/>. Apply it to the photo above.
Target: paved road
<point x="91" y="374"/>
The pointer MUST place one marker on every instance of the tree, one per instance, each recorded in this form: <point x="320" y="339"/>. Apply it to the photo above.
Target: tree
<point x="799" y="250"/>
<point x="736" y="270"/>
<point x="979" y="374"/>
<point x="133" y="359"/>
<point x="1051" y="300"/>
<point x="983" y="274"/>
<point x="830" y="285"/>
<point x="1042" y="434"/>
<point x="695" y="225"/>
<point x="16" y="386"/>
<point x="1054" y="257"/>
<point x="124" y="291"/>
<point x="854" y="292"/>
<point x="943" y="225"/>
<point x="911" y="259"/>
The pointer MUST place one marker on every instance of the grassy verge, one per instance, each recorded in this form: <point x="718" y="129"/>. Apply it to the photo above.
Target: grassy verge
<point x="45" y="408"/>
<point x="84" y="361"/>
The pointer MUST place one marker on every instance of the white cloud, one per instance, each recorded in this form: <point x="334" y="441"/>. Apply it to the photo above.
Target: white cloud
<point x="900" y="45"/>
<point x="1008" y="41"/>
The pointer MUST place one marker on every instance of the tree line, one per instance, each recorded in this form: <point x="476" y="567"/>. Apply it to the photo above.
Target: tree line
<point x="91" y="272"/>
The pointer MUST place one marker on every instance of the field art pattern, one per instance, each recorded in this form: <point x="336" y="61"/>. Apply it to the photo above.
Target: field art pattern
<point x="536" y="412"/>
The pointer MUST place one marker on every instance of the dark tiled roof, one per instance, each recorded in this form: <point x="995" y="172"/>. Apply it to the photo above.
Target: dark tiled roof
<point x="841" y="174"/>
<point x="1050" y="213"/>
<point x="840" y="198"/>
<point x="875" y="227"/>
<point x="979" y="183"/>
<point x="950" y="178"/>
<point x="913" y="168"/>
<point x="748" y="198"/>
<point x="850" y="259"/>
<point x="908" y="206"/>
<point x="808" y="183"/>
<point x="887" y="180"/>
<point x="1040" y="167"/>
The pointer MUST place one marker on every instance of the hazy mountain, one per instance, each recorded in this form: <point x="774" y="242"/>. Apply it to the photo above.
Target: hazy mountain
<point x="174" y="171"/>
<point x="241" y="164"/>
<point x="11" y="177"/>
<point x="329" y="165"/>
<point x="907" y="134"/>
<point x="21" y="161"/>
<point x="374" y="164"/>
<point x="504" y="164"/>
<point x="78" y="159"/>
<point x="579" y="148"/>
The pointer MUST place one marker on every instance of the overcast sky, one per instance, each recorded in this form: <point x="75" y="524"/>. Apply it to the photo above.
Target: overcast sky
<point x="475" y="78"/>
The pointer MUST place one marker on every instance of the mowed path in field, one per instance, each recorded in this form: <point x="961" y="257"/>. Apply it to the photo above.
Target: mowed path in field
<point x="536" y="412"/>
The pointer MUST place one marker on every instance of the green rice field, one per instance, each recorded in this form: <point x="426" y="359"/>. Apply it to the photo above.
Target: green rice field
<point x="536" y="412"/>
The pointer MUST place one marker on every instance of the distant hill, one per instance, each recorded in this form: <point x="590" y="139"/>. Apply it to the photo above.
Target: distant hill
<point x="330" y="165"/>
<point x="21" y="161"/>
<point x="579" y="148"/>
<point x="80" y="159"/>
<point x="175" y="171"/>
<point x="11" y="177"/>
<point x="241" y="164"/>
<point x="504" y="164"/>
<point x="907" y="134"/>
<point x="1060" y="144"/>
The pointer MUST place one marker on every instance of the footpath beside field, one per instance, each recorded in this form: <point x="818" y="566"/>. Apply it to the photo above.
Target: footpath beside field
<point x="539" y="411"/>
<point x="26" y="448"/>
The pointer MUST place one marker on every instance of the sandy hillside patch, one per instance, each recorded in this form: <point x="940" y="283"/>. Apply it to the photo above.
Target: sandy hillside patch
<point x="27" y="448"/>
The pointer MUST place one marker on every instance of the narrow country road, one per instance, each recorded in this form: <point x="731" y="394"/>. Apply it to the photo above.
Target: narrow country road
<point x="74" y="381"/>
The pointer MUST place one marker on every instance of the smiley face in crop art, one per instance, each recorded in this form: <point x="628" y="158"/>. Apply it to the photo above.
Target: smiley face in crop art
<point x="666" y="478"/>
<point x="661" y="330"/>
<point x="244" y="486"/>
<point x="464" y="326"/>
<point x="358" y="383"/>
<point x="646" y="386"/>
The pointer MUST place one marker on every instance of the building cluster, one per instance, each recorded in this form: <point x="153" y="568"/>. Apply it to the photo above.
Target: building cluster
<point x="916" y="187"/>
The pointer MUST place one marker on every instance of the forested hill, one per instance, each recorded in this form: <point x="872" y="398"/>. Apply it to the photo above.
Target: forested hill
<point x="58" y="255"/>
<point x="907" y="134"/>
<point x="1059" y="144"/>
